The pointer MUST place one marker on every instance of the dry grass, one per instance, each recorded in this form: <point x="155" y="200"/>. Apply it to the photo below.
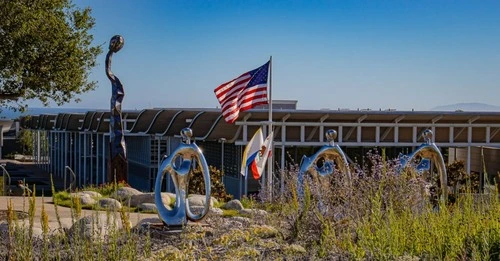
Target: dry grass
<point x="380" y="215"/>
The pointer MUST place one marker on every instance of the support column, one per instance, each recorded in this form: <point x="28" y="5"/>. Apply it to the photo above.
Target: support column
<point x="283" y="140"/>
<point x="468" y="159"/>
<point x="85" y="145"/>
<point x="103" y="162"/>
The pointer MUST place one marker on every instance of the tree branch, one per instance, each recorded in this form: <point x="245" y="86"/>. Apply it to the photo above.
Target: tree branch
<point x="10" y="96"/>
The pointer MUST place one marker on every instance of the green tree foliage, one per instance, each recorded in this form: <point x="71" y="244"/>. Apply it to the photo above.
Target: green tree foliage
<point x="46" y="51"/>
<point x="25" y="141"/>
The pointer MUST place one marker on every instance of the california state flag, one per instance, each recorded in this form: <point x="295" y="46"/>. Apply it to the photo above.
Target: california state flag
<point x="251" y="150"/>
<point x="259" y="162"/>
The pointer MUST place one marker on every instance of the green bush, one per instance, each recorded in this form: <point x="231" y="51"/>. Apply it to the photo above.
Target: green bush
<point x="197" y="184"/>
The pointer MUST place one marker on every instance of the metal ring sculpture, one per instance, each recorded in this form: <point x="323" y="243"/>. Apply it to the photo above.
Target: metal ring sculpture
<point x="429" y="150"/>
<point x="179" y="165"/>
<point x="331" y="155"/>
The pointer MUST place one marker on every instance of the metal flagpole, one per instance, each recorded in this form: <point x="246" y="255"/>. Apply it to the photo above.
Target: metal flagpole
<point x="245" y="191"/>
<point x="269" y="130"/>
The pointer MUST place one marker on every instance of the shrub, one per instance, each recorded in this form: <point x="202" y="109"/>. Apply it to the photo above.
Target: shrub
<point x="197" y="184"/>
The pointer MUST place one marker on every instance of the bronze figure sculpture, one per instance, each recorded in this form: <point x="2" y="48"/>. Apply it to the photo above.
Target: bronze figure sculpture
<point x="118" y="164"/>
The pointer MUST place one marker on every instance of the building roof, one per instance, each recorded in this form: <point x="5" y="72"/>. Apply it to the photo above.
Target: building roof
<point x="290" y="125"/>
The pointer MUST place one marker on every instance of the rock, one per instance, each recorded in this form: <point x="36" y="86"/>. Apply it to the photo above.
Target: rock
<point x="125" y="193"/>
<point x="199" y="200"/>
<point x="253" y="212"/>
<point x="149" y="221"/>
<point x="136" y="200"/>
<point x="243" y="220"/>
<point x="233" y="204"/>
<point x="66" y="223"/>
<point x="85" y="199"/>
<point x="93" y="194"/>
<point x="109" y="203"/>
<point x="196" y="210"/>
<point x="216" y="211"/>
<point x="236" y="222"/>
<point x="4" y="230"/>
<point x="148" y="207"/>
<point x="96" y="226"/>
<point x="172" y="196"/>
<point x="232" y="224"/>
<point x="143" y="226"/>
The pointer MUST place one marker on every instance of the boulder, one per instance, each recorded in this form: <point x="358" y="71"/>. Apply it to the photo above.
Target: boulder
<point x="216" y="211"/>
<point x="146" y="222"/>
<point x="91" y="193"/>
<point x="253" y="212"/>
<point x="96" y="226"/>
<point x="233" y="204"/>
<point x="235" y="222"/>
<point x="172" y="196"/>
<point x="199" y="200"/>
<point x="243" y="220"/>
<point x="198" y="209"/>
<point x="85" y="199"/>
<point x="136" y="200"/>
<point x="148" y="207"/>
<point x="125" y="193"/>
<point x="109" y="203"/>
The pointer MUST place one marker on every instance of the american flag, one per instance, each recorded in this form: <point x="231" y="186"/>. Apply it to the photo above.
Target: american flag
<point x="243" y="93"/>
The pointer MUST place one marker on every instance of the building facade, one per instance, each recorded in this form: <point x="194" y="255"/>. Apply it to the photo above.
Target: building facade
<point x="81" y="141"/>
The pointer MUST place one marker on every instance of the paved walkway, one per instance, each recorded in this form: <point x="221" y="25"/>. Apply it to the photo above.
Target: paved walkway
<point x="32" y="174"/>
<point x="65" y="215"/>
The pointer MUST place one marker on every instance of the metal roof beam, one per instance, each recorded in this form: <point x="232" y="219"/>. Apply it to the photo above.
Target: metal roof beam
<point x="386" y="132"/>
<point x="362" y="118"/>
<point x="399" y="118"/>
<point x="285" y="117"/>
<point x="473" y="119"/>
<point x="349" y="133"/>
<point x="494" y="133"/>
<point x="436" y="119"/>
<point x="458" y="133"/>
<point x="315" y="129"/>
<point x="247" y="116"/>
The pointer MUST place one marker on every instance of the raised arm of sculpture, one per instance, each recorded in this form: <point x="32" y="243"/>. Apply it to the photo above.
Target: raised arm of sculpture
<point x="118" y="153"/>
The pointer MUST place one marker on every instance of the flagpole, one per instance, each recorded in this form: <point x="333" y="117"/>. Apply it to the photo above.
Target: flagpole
<point x="245" y="186"/>
<point x="269" y="130"/>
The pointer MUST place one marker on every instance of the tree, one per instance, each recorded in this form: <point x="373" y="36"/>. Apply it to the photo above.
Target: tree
<point x="25" y="141"/>
<point x="46" y="51"/>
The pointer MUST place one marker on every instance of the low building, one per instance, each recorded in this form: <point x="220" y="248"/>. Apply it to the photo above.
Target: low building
<point x="80" y="141"/>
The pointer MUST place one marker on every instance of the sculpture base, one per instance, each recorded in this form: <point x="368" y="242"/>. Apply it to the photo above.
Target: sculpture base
<point x="118" y="169"/>
<point x="161" y="230"/>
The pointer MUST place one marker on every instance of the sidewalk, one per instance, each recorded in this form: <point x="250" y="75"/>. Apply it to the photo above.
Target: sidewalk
<point x="31" y="174"/>
<point x="65" y="215"/>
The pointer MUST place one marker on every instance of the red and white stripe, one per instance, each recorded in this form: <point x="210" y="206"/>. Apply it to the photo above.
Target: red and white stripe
<point x="234" y="96"/>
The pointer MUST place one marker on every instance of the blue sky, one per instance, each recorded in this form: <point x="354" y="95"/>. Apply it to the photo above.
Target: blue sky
<point x="326" y="54"/>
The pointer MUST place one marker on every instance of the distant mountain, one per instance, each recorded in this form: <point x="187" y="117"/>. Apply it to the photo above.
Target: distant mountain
<point x="474" y="106"/>
<point x="9" y="114"/>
